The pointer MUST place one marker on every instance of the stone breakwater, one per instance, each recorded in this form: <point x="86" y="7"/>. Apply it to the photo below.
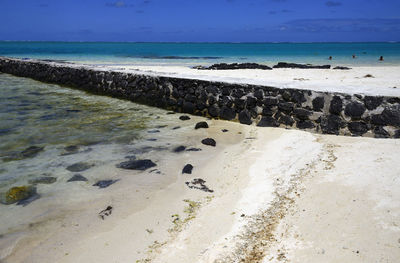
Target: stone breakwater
<point x="321" y="112"/>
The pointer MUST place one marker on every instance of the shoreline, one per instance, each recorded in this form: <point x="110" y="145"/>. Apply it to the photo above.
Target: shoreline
<point x="326" y="112"/>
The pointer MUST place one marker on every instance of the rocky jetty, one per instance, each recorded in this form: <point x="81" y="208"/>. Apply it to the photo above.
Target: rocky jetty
<point x="322" y="112"/>
<point x="225" y="66"/>
<point x="301" y="66"/>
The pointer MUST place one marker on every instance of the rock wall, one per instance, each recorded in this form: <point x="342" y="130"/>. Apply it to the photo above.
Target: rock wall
<point x="322" y="112"/>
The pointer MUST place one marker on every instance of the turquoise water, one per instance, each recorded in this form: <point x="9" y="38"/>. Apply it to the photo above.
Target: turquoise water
<point x="205" y="53"/>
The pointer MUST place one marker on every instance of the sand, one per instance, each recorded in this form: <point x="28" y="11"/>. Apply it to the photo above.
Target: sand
<point x="384" y="80"/>
<point x="279" y="196"/>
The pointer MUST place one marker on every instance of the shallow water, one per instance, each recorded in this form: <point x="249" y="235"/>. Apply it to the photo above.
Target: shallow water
<point x="76" y="127"/>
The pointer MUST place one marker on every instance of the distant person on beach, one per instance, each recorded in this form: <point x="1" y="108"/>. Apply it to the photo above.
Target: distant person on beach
<point x="354" y="56"/>
<point x="330" y="57"/>
<point x="381" y="58"/>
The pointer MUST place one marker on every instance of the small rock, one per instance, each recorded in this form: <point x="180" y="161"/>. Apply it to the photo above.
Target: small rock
<point x="71" y="148"/>
<point x="43" y="180"/>
<point x="17" y="194"/>
<point x="105" y="183"/>
<point x="77" y="178"/>
<point x="153" y="131"/>
<point x="79" y="167"/>
<point x="187" y="169"/>
<point x="184" y="118"/>
<point x="177" y="127"/>
<point x="369" y="76"/>
<point x="137" y="165"/>
<point x="31" y="152"/>
<point x="193" y="150"/>
<point x="224" y="130"/>
<point x="106" y="212"/>
<point x="179" y="149"/>
<point x="209" y="142"/>
<point x="201" y="124"/>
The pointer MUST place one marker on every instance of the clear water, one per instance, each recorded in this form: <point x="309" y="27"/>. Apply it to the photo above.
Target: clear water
<point x="205" y="53"/>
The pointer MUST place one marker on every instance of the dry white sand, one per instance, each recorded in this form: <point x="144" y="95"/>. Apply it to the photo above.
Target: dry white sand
<point x="385" y="80"/>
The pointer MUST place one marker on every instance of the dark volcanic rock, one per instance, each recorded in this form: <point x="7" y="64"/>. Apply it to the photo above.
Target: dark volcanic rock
<point x="188" y="107"/>
<point x="193" y="150"/>
<point x="268" y="121"/>
<point x="179" y="149"/>
<point x="77" y="178"/>
<point x="43" y="180"/>
<point x="184" y="118"/>
<point x="301" y="113"/>
<point x="286" y="120"/>
<point x="140" y="165"/>
<point x="357" y="128"/>
<point x="153" y="131"/>
<point x="79" y="167"/>
<point x="331" y="124"/>
<point x="224" y="130"/>
<point x="105" y="183"/>
<point x="245" y="117"/>
<point x="17" y="194"/>
<point x="224" y="66"/>
<point x="302" y="66"/>
<point x="209" y="142"/>
<point x="390" y="116"/>
<point x="318" y="103"/>
<point x="213" y="110"/>
<point x="286" y="107"/>
<point x="380" y="132"/>
<point x="341" y="68"/>
<point x="305" y="125"/>
<point x="336" y="105"/>
<point x="31" y="151"/>
<point x="227" y="113"/>
<point x="372" y="102"/>
<point x="187" y="169"/>
<point x="201" y="125"/>
<point x="354" y="110"/>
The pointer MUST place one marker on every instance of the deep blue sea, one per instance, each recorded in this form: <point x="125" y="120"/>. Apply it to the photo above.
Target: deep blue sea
<point x="205" y="53"/>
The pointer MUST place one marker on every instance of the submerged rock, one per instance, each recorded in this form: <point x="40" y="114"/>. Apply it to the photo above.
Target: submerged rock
<point x="140" y="165"/>
<point x="179" y="149"/>
<point x="153" y="131"/>
<point x="201" y="124"/>
<point x="184" y="118"/>
<point x="17" y="194"/>
<point x="341" y="68"/>
<point x="209" y="142"/>
<point x="105" y="183"/>
<point x="79" y="167"/>
<point x="43" y="180"/>
<point x="77" y="178"/>
<point x="29" y="152"/>
<point x="187" y="169"/>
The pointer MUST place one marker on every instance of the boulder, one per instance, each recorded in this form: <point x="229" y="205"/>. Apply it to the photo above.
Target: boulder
<point x="43" y="180"/>
<point x="213" y="111"/>
<point x="188" y="107"/>
<point x="336" y="105"/>
<point x="187" y="169"/>
<point x="305" y="124"/>
<point x="209" y="142"/>
<point x="372" y="102"/>
<point x="301" y="113"/>
<point x="286" y="120"/>
<point x="179" y="149"/>
<point x="286" y="107"/>
<point x="318" y="103"/>
<point x="268" y="121"/>
<point x="184" y="118"/>
<point x="380" y="132"/>
<point x="354" y="110"/>
<point x="301" y="66"/>
<point x="357" y="128"/>
<point x="245" y="117"/>
<point x="17" y="194"/>
<point x="201" y="125"/>
<point x="227" y="113"/>
<point x="331" y="124"/>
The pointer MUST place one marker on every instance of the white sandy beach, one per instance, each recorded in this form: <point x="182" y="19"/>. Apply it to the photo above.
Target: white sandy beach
<point x="384" y="81"/>
<point x="279" y="196"/>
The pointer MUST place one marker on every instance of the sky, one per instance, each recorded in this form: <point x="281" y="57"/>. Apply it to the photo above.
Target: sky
<point x="201" y="20"/>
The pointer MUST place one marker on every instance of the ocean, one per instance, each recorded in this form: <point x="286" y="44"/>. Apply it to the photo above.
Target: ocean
<point x="205" y="53"/>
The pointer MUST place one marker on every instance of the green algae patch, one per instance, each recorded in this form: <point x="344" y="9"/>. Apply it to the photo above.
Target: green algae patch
<point x="16" y="194"/>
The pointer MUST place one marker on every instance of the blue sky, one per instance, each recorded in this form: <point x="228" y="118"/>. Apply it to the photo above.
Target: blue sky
<point x="200" y="20"/>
